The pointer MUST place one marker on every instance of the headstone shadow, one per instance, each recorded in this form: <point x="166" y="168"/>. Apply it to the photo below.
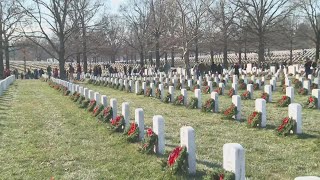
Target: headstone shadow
<point x="307" y="136"/>
<point x="209" y="164"/>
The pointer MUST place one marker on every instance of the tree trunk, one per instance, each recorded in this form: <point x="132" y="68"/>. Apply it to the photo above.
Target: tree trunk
<point x="62" y="63"/>
<point x="317" y="48"/>
<point x="186" y="60"/>
<point x="150" y="58"/>
<point x="6" y="52"/>
<point x="141" y="58"/>
<point x="211" y="54"/>
<point x="166" y="57"/>
<point x="291" y="55"/>
<point x="172" y="57"/>
<point x="261" y="49"/>
<point x="240" y="52"/>
<point x="225" y="53"/>
<point x="245" y="46"/>
<point x="1" y="52"/>
<point x="78" y="56"/>
<point x="196" y="58"/>
<point x="157" y="52"/>
<point x="113" y="58"/>
<point x="84" y="47"/>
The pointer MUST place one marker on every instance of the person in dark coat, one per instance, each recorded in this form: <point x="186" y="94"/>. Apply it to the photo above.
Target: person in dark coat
<point x="236" y="69"/>
<point x="219" y="69"/>
<point x="307" y="67"/>
<point x="125" y="70"/>
<point x="213" y="68"/>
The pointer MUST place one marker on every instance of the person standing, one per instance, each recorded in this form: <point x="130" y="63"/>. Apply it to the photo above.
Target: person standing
<point x="236" y="69"/>
<point x="55" y="72"/>
<point x="78" y="71"/>
<point x="71" y="71"/>
<point x="16" y="73"/>
<point x="99" y="71"/>
<point x="130" y="70"/>
<point x="307" y="67"/>
<point x="125" y="70"/>
<point x="41" y="72"/>
<point x="213" y="68"/>
<point x="314" y="66"/>
<point x="49" y="70"/>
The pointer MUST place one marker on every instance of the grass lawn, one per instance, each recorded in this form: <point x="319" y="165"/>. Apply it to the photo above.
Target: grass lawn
<point x="44" y="134"/>
<point x="268" y="156"/>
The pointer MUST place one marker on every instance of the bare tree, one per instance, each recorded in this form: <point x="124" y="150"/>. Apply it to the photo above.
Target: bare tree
<point x="137" y="15"/>
<point x="111" y="31"/>
<point x="188" y="30"/>
<point x="84" y="12"/>
<point x="198" y="9"/>
<point x="12" y="16"/>
<point x="311" y="9"/>
<point x="158" y="24"/>
<point x="262" y="15"/>
<point x="224" y="13"/>
<point x="54" y="26"/>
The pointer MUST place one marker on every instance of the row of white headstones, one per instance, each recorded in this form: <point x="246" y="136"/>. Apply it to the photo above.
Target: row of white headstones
<point x="267" y="88"/>
<point x="260" y="104"/>
<point x="5" y="83"/>
<point x="233" y="153"/>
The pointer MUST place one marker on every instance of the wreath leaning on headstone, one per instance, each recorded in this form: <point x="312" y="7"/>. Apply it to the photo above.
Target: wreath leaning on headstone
<point x="254" y="119"/>
<point x="177" y="162"/>
<point x="287" y="127"/>
<point x="311" y="102"/>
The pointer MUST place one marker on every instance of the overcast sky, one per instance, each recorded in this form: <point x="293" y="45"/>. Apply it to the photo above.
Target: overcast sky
<point x="114" y="5"/>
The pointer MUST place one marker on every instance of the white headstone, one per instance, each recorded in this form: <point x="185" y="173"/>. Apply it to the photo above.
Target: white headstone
<point x="158" y="129"/>
<point x="307" y="178"/>
<point x="306" y="85"/>
<point x="187" y="139"/>
<point x="97" y="98"/>
<point x="139" y="119"/>
<point x="234" y="160"/>
<point x="260" y="106"/>
<point x="161" y="90"/>
<point x="144" y="87"/>
<point x="215" y="97"/>
<point x="197" y="94"/>
<point x="250" y="89"/>
<point x="113" y="104"/>
<point x="185" y="96"/>
<point x="210" y="85"/>
<point x="171" y="91"/>
<point x="295" y="110"/>
<point x="268" y="90"/>
<point x="221" y="85"/>
<point x="126" y="113"/>
<point x="236" y="100"/>
<point x="290" y="93"/>
<point x="273" y="83"/>
<point x="104" y="100"/>
<point x="190" y="83"/>
<point x="137" y="87"/>
<point x="235" y="87"/>
<point x="86" y="93"/>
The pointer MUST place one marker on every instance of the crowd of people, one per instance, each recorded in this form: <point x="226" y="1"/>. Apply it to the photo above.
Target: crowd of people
<point x="199" y="69"/>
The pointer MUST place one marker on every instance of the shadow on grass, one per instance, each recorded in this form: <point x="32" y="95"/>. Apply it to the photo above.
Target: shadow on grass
<point x="209" y="164"/>
<point x="307" y="136"/>
<point x="269" y="126"/>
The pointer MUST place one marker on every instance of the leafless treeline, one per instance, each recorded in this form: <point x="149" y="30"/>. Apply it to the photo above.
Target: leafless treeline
<point x="145" y="30"/>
